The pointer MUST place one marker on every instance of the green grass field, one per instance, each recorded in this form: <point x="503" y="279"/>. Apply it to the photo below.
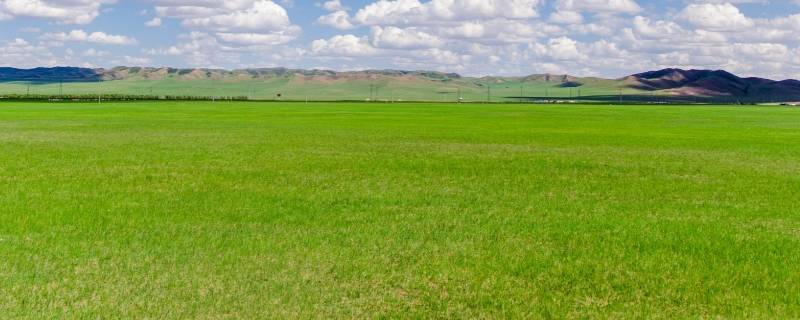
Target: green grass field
<point x="292" y="210"/>
<point x="356" y="90"/>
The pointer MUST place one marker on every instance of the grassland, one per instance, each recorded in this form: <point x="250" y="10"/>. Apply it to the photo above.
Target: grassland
<point x="502" y="90"/>
<point x="281" y="210"/>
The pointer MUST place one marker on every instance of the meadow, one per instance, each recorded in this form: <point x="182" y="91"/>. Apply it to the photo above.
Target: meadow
<point x="386" y="89"/>
<point x="346" y="210"/>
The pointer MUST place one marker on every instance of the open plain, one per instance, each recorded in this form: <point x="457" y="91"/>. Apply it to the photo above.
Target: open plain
<point x="355" y="210"/>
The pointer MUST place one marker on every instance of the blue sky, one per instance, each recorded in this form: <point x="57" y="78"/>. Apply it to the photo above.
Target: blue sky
<point x="609" y="38"/>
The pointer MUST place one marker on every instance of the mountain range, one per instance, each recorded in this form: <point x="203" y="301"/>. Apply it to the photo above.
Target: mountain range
<point x="409" y="85"/>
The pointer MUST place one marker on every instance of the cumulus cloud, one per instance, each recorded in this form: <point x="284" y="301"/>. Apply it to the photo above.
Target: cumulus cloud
<point x="334" y="5"/>
<point x="561" y="48"/>
<point x="720" y="17"/>
<point x="344" y="46"/>
<point x="566" y="17"/>
<point x="20" y="53"/>
<point x="238" y="22"/>
<point x="416" y="12"/>
<point x="337" y="19"/>
<point x="69" y="12"/>
<point x="200" y="49"/>
<point x="397" y="38"/>
<point x="607" y="6"/>
<point x="262" y="15"/>
<point x="92" y="52"/>
<point x="155" y="22"/>
<point x="256" y="39"/>
<point x="94" y="37"/>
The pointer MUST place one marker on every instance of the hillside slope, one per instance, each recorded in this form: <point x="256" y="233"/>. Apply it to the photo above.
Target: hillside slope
<point x="708" y="83"/>
<point x="299" y="84"/>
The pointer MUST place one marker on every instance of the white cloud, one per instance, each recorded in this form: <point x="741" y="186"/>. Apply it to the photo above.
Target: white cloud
<point x="606" y="6"/>
<point x="718" y="17"/>
<point x="397" y="38"/>
<point x="344" y="45"/>
<point x="22" y="54"/>
<point x="188" y="9"/>
<point x="337" y="19"/>
<point x="69" y="11"/>
<point x="790" y="23"/>
<point x="564" y="48"/>
<point x="94" y="37"/>
<point x="334" y="5"/>
<point x="200" y="49"/>
<point x="262" y="16"/>
<point x="439" y="56"/>
<point x="250" y="39"/>
<point x="566" y="17"/>
<point x="236" y="22"/>
<point x="416" y="12"/>
<point x="658" y="29"/>
<point x="94" y="53"/>
<point x="155" y="22"/>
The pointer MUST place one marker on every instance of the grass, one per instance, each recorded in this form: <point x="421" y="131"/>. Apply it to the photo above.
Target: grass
<point x="248" y="210"/>
<point x="266" y="89"/>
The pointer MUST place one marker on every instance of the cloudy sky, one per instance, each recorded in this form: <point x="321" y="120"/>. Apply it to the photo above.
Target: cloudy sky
<point x="608" y="38"/>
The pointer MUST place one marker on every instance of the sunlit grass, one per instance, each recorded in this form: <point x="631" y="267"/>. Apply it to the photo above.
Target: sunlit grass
<point x="267" y="210"/>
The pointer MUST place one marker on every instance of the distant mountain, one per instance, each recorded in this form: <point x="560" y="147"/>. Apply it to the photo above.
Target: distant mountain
<point x="666" y="84"/>
<point x="123" y="73"/>
<point x="50" y="74"/>
<point x="708" y="83"/>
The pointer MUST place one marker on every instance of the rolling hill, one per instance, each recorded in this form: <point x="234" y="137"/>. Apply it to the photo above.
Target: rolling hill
<point x="719" y="83"/>
<point x="299" y="84"/>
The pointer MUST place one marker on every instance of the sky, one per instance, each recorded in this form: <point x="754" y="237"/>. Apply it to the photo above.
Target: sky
<point x="607" y="38"/>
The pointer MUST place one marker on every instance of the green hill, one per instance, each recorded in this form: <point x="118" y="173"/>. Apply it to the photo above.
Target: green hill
<point x="391" y="85"/>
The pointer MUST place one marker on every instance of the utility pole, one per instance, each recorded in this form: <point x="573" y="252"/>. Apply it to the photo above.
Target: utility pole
<point x="521" y="90"/>
<point x="61" y="88"/>
<point x="489" y="93"/>
<point x="29" y="90"/>
<point x="620" y="95"/>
